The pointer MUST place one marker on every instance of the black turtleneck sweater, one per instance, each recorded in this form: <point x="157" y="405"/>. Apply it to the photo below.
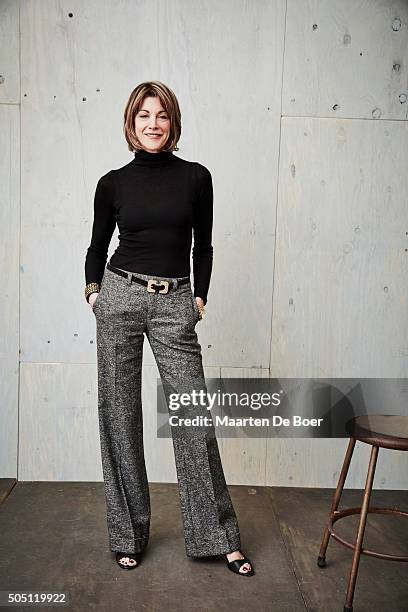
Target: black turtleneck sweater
<point x="157" y="200"/>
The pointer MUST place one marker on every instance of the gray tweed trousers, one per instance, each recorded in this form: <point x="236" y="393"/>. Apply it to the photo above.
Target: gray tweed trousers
<point x="125" y="312"/>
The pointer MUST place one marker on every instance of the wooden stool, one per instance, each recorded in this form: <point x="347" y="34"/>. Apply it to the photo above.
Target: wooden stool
<point x="387" y="431"/>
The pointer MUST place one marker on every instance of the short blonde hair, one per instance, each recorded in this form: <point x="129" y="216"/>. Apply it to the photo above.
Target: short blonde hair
<point x="170" y="104"/>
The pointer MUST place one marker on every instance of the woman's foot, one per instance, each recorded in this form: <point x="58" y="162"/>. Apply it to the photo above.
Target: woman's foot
<point x="239" y="564"/>
<point x="128" y="560"/>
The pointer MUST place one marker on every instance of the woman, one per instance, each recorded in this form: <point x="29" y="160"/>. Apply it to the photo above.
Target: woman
<point x="157" y="200"/>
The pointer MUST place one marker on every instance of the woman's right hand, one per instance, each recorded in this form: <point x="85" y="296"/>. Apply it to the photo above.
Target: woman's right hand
<point x="92" y="298"/>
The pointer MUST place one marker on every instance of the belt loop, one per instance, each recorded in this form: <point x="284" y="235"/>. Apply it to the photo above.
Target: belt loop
<point x="175" y="284"/>
<point x="129" y="279"/>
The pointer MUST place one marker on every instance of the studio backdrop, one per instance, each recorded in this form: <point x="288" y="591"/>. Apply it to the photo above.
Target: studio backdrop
<point x="299" y="110"/>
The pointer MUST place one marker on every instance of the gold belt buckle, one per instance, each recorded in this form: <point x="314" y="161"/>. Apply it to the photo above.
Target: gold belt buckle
<point x="153" y="281"/>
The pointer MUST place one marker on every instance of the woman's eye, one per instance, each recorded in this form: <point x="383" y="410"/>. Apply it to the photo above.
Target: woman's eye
<point x="146" y="116"/>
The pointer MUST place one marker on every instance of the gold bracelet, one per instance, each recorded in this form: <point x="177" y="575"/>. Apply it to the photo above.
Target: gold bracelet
<point x="91" y="288"/>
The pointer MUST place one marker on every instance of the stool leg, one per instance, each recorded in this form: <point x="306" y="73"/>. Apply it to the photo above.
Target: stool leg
<point x="321" y="560"/>
<point x="361" y="527"/>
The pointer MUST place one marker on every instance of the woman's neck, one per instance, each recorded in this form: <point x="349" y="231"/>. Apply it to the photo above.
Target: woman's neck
<point x="146" y="158"/>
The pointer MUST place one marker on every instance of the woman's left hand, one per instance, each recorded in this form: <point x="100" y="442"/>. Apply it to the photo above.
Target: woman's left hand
<point x="200" y="304"/>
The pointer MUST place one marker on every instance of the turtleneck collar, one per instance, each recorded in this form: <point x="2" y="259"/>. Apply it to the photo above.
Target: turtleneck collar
<point x="145" y="158"/>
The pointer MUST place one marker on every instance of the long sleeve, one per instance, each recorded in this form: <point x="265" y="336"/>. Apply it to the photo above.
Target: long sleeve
<point x="103" y="227"/>
<point x="202" y="232"/>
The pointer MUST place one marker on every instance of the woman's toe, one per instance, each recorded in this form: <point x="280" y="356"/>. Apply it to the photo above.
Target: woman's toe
<point x="127" y="561"/>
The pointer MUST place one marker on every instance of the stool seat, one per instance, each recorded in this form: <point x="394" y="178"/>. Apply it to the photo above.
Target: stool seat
<point x="385" y="430"/>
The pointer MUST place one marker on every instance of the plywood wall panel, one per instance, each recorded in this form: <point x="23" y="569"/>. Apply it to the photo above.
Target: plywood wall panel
<point x="9" y="52"/>
<point x="58" y="422"/>
<point x="312" y="462"/>
<point x="59" y="429"/>
<point x="340" y="289"/>
<point x="9" y="294"/>
<point x="346" y="59"/>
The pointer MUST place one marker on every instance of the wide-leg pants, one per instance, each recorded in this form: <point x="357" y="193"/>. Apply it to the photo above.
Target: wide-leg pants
<point x="126" y="312"/>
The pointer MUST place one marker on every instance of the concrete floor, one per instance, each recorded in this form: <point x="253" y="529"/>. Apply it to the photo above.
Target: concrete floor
<point x="53" y="537"/>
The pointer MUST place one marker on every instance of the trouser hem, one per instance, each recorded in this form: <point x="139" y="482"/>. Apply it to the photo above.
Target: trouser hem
<point x="210" y="550"/>
<point x="138" y="546"/>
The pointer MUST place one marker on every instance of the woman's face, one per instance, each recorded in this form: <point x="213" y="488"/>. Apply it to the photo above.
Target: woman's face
<point x="152" y="119"/>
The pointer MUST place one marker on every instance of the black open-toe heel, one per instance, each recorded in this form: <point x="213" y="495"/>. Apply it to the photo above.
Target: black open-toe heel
<point x="135" y="556"/>
<point x="236" y="565"/>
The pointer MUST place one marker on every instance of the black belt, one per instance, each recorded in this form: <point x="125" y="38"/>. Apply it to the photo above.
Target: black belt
<point x="152" y="284"/>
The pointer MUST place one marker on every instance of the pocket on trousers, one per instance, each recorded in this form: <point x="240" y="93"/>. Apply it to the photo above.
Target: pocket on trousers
<point x="98" y="299"/>
<point x="95" y="304"/>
